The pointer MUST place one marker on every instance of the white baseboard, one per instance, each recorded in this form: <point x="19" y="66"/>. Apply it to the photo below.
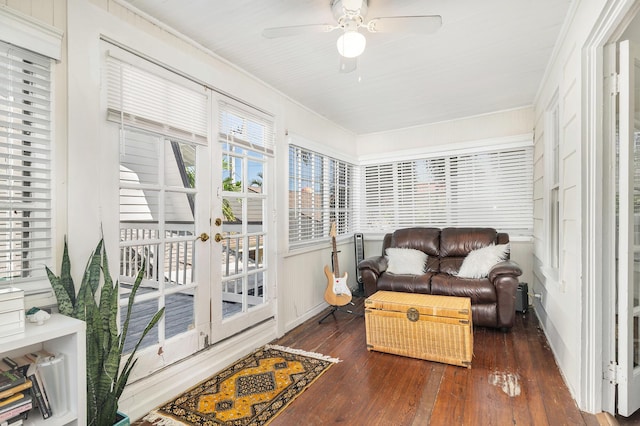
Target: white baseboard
<point x="299" y="320"/>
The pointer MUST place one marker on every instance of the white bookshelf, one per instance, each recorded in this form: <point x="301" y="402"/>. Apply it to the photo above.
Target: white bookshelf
<point x="59" y="334"/>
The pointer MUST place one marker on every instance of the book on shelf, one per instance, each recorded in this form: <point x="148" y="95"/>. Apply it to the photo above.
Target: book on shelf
<point x="15" y="405"/>
<point x="17" y="420"/>
<point x="14" y="400"/>
<point x="38" y="391"/>
<point x="7" y="393"/>
<point x="11" y="413"/>
<point x="10" y="379"/>
<point x="22" y="362"/>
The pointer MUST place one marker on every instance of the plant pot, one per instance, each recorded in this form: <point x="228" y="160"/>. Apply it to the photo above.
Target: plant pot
<point x="122" y="419"/>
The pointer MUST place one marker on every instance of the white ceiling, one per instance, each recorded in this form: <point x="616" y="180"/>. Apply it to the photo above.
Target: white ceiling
<point x="489" y="55"/>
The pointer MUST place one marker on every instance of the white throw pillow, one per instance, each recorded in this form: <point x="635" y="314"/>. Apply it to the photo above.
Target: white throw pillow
<point x="406" y="261"/>
<point x="478" y="262"/>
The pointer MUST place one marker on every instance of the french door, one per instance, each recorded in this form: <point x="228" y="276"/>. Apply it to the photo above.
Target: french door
<point x="193" y="182"/>
<point x="240" y="256"/>
<point x="628" y="309"/>
<point x="164" y="220"/>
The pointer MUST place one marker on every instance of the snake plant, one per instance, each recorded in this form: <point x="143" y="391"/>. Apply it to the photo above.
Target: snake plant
<point x="105" y="380"/>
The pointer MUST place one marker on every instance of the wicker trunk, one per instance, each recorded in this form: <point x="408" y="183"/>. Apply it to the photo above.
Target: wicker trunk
<point x="435" y="328"/>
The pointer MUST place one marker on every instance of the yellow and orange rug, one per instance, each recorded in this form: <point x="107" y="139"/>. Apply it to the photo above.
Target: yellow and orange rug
<point x="252" y="391"/>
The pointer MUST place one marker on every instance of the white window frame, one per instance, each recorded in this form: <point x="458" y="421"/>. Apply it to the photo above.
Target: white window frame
<point x="327" y="175"/>
<point x="553" y="203"/>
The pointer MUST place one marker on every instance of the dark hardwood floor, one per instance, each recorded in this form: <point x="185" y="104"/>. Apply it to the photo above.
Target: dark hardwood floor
<point x="514" y="380"/>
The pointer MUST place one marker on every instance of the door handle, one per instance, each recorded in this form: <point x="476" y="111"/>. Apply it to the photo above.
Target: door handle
<point x="203" y="237"/>
<point x="217" y="237"/>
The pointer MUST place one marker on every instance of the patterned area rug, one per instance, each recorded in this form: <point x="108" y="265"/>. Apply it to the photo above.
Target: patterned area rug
<point x="250" y="392"/>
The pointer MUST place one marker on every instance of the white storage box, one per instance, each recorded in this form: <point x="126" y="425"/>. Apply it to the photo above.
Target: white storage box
<point x="11" y="311"/>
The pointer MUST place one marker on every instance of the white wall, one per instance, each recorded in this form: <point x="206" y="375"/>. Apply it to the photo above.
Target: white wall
<point x="561" y="310"/>
<point x="497" y="125"/>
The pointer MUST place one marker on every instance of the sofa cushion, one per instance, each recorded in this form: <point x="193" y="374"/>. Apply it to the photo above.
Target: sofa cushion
<point x="426" y="240"/>
<point x="459" y="242"/>
<point x="450" y="265"/>
<point x="406" y="261"/>
<point x="479" y="262"/>
<point x="405" y="283"/>
<point x="479" y="290"/>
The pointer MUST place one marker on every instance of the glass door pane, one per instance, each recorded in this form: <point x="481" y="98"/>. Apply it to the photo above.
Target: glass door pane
<point x="157" y="234"/>
<point x="243" y="243"/>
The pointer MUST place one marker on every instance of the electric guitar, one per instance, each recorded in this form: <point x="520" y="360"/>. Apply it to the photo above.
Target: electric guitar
<point x="337" y="292"/>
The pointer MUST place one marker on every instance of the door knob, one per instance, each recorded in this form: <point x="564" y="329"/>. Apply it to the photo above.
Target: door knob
<point x="218" y="237"/>
<point x="218" y="221"/>
<point x="203" y="237"/>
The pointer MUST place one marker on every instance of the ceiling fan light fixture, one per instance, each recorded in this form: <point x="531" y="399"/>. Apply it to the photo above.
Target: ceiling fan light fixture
<point x="351" y="44"/>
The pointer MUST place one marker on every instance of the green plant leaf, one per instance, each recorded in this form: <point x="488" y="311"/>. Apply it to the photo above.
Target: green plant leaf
<point x="105" y="382"/>
<point x="120" y="384"/>
<point x="65" y="305"/>
<point x="92" y="273"/>
<point x="108" y="411"/>
<point x="132" y="296"/>
<point x="65" y="274"/>
<point x="92" y="405"/>
<point x="108" y="305"/>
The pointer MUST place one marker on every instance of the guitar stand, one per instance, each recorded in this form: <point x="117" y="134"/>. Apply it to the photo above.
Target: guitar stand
<point x="339" y="308"/>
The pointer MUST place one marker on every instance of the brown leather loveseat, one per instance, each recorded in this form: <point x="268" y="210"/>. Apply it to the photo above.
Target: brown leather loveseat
<point x="492" y="296"/>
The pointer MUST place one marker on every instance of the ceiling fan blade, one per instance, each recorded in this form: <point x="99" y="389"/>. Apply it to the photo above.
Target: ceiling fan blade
<point x="348" y="65"/>
<point x="296" y="30"/>
<point x="426" y="24"/>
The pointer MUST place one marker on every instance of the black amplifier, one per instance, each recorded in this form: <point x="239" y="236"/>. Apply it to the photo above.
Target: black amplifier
<point x="522" y="298"/>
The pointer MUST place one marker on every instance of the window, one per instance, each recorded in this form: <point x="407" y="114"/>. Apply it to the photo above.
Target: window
<point x="25" y="165"/>
<point x="553" y="171"/>
<point x="320" y="192"/>
<point x="487" y="189"/>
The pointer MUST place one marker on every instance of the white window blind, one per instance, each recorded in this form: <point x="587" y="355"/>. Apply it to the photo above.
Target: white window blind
<point x="25" y="165"/>
<point x="152" y="99"/>
<point x="487" y="189"/>
<point x="320" y="192"/>
<point x="246" y="127"/>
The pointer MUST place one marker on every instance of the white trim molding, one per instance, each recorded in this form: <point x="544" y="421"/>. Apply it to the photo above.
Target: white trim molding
<point x="29" y="33"/>
<point x="596" y="315"/>
<point x="516" y="141"/>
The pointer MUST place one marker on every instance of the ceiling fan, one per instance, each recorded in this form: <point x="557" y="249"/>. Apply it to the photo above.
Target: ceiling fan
<point x="350" y="16"/>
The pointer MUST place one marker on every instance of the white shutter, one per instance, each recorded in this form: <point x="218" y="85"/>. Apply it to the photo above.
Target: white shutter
<point x="485" y="189"/>
<point x="306" y="192"/>
<point x="321" y="191"/>
<point x="341" y="196"/>
<point x="25" y="165"/>
<point x="379" y="197"/>
<point x="151" y="99"/>
<point x="494" y="190"/>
